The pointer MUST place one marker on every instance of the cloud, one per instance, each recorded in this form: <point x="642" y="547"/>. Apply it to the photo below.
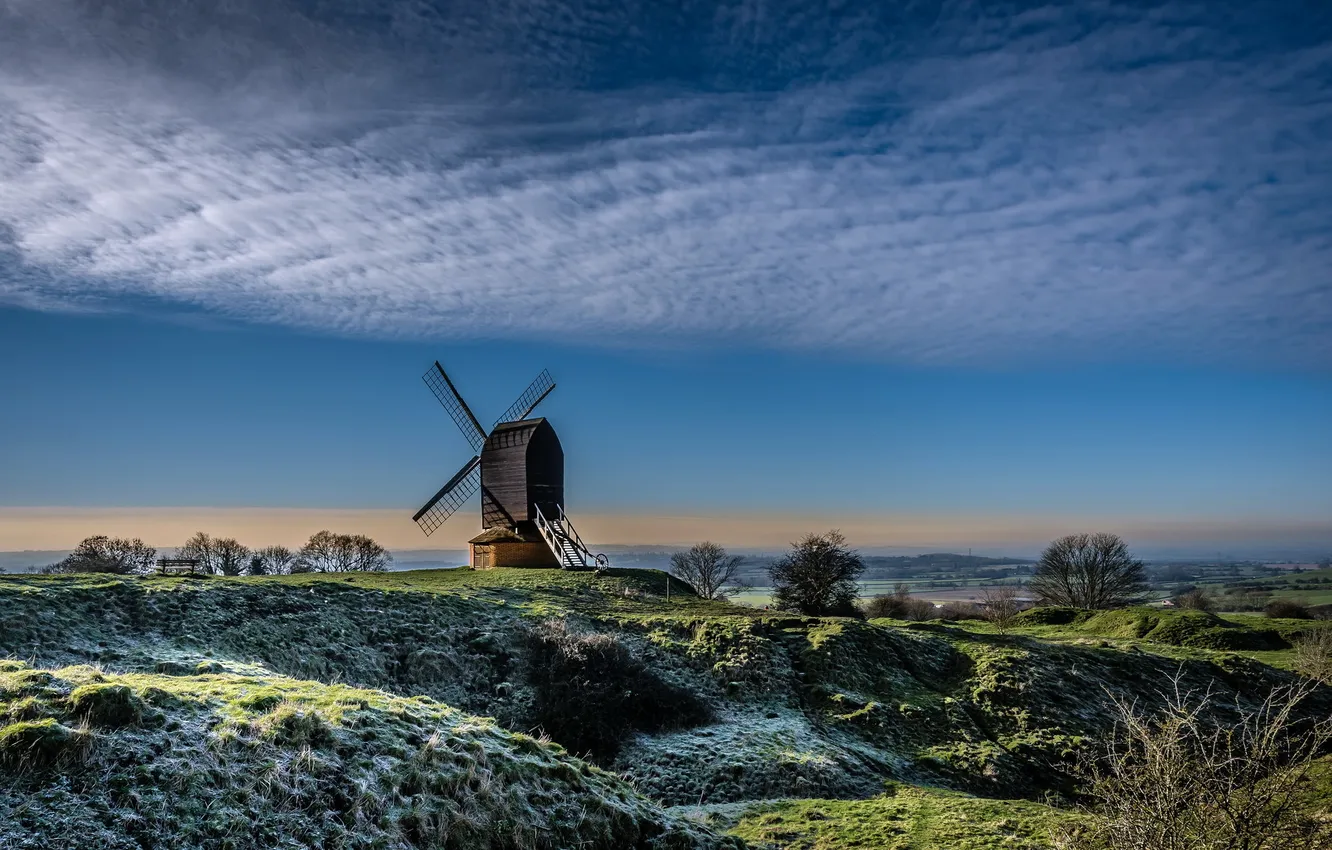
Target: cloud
<point x="942" y="187"/>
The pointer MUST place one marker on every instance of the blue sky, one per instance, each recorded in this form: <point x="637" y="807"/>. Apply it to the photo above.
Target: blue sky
<point x="943" y="259"/>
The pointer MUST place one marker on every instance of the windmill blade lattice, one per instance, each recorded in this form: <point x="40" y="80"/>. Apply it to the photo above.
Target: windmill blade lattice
<point x="450" y="497"/>
<point x="438" y="381"/>
<point x="527" y="402"/>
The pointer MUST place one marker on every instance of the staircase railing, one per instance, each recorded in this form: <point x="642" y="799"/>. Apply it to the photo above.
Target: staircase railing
<point x="599" y="559"/>
<point x="571" y="532"/>
<point x="559" y="532"/>
<point x="552" y="538"/>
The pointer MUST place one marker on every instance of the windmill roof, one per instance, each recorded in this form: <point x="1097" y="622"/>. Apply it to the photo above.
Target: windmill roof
<point x="519" y="423"/>
<point x="499" y="534"/>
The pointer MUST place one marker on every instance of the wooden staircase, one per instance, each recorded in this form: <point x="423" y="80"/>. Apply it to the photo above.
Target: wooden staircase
<point x="564" y="542"/>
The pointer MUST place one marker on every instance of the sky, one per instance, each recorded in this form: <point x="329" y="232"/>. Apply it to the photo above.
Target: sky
<point x="940" y="274"/>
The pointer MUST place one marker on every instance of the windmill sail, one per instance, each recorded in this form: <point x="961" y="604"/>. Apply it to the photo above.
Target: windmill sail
<point x="531" y="397"/>
<point x="450" y="497"/>
<point x="438" y="381"/>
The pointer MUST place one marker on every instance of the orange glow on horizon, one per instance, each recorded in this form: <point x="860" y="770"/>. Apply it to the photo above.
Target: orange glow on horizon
<point x="58" y="528"/>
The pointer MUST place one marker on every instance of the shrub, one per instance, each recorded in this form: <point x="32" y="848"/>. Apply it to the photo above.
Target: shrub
<point x="1179" y="779"/>
<point x="1194" y="599"/>
<point x="999" y="605"/>
<point x="900" y="605"/>
<point x="591" y="692"/>
<point x="1287" y="609"/>
<point x="1313" y="655"/>
<point x="885" y="605"/>
<point x="1245" y="599"/>
<point x="961" y="611"/>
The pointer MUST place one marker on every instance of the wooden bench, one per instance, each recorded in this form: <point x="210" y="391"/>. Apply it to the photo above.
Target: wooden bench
<point x="177" y="566"/>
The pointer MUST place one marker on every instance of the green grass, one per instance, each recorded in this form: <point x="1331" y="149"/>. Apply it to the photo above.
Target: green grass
<point x="802" y="707"/>
<point x="908" y="819"/>
<point x="608" y="589"/>
<point x="1175" y="633"/>
<point x="228" y="761"/>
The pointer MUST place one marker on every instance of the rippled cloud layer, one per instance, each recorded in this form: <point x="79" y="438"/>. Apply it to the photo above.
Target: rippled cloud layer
<point x="939" y="185"/>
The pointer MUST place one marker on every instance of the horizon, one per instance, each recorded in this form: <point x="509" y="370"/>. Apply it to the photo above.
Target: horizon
<point x="46" y="530"/>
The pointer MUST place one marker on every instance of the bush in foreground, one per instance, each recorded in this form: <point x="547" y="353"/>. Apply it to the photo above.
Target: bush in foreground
<point x="1180" y="779"/>
<point x="592" y="691"/>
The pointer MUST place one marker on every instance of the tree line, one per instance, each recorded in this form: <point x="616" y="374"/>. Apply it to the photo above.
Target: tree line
<point x="324" y="552"/>
<point x="819" y="575"/>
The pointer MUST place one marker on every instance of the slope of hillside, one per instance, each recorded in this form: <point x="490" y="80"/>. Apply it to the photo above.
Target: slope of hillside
<point x="224" y="760"/>
<point x="697" y="703"/>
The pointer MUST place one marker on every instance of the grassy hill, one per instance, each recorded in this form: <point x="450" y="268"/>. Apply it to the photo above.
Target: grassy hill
<point x="226" y="760"/>
<point x="725" y="714"/>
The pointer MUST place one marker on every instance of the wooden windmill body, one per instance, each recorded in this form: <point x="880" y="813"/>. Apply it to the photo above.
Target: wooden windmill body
<point x="519" y="469"/>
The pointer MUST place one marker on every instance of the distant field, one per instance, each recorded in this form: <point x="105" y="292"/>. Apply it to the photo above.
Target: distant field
<point x="760" y="596"/>
<point x="1313" y="586"/>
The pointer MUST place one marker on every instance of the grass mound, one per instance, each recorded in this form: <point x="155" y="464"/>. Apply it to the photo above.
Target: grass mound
<point x="1179" y="628"/>
<point x="106" y="704"/>
<point x="1196" y="629"/>
<point x="39" y="743"/>
<point x="328" y="766"/>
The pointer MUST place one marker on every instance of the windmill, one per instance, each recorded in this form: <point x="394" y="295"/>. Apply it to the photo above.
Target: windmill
<point x="519" y="468"/>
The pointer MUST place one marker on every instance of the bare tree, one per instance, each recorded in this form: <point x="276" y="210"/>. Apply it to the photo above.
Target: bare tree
<point x="271" y="560"/>
<point x="818" y="576"/>
<point x="102" y="554"/>
<point x="327" y="552"/>
<point x="1088" y="571"/>
<point x="707" y="568"/>
<point x="322" y="554"/>
<point x="1182" y="780"/>
<point x="231" y="556"/>
<point x="999" y="606"/>
<point x="200" y="548"/>
<point x="367" y="555"/>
